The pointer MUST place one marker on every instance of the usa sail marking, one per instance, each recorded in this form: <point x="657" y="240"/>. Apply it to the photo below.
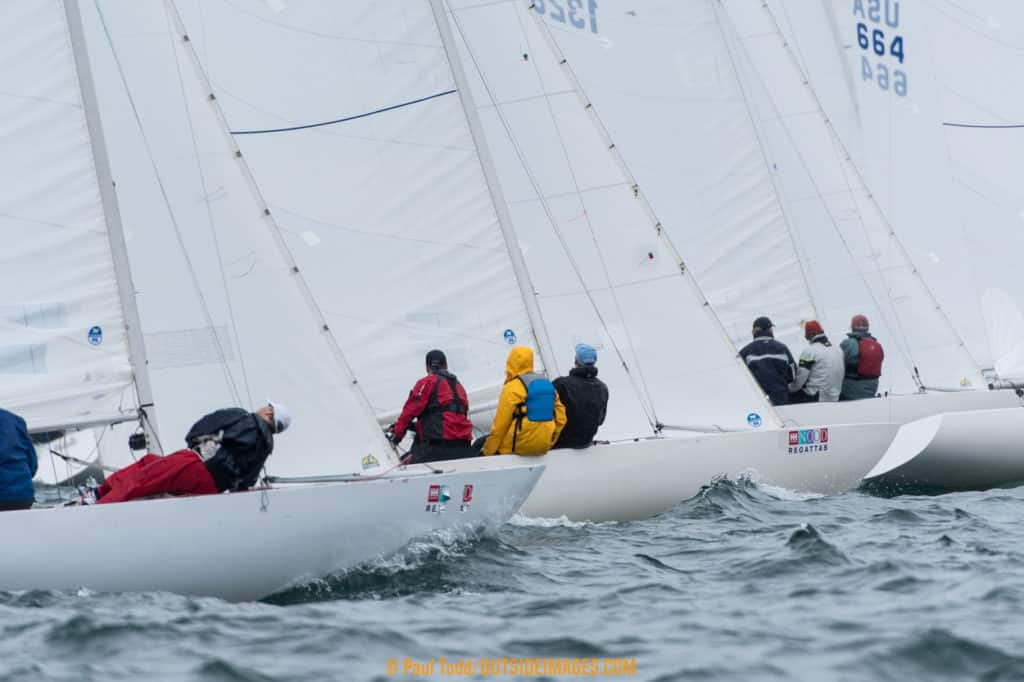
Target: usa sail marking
<point x="875" y="39"/>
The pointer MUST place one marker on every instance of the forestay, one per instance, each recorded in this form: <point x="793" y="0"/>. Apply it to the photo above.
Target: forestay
<point x="64" y="352"/>
<point x="738" y="163"/>
<point x="938" y="133"/>
<point x="227" y="316"/>
<point x="603" y="270"/>
<point x="855" y="261"/>
<point x="349" y="116"/>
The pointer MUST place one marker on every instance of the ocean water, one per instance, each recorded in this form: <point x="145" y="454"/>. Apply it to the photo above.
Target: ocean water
<point x="739" y="583"/>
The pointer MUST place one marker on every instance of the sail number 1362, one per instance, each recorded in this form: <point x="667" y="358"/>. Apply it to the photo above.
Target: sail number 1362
<point x="570" y="12"/>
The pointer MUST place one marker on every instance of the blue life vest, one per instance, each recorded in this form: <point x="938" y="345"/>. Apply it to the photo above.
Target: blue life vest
<point x="539" y="405"/>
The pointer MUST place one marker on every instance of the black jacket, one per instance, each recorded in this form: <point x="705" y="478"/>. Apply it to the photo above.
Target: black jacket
<point x="772" y="365"/>
<point x="245" y="443"/>
<point x="586" y="400"/>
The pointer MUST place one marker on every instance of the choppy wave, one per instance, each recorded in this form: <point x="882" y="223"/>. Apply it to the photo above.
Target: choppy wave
<point x="741" y="582"/>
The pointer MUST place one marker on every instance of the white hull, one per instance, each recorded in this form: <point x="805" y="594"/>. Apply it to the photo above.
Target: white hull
<point x="630" y="480"/>
<point x="956" y="451"/>
<point x="898" y="409"/>
<point x="245" y="546"/>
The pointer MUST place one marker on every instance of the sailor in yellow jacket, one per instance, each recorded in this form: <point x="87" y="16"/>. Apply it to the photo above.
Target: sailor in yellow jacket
<point x="530" y="437"/>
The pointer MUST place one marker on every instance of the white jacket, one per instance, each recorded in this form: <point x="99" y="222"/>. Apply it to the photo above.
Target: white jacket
<point x="820" y="370"/>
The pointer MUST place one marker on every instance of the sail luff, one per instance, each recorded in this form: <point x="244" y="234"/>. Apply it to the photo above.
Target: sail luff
<point x="852" y="166"/>
<point x="508" y="232"/>
<point x="756" y="126"/>
<point x="115" y="228"/>
<point x="648" y="209"/>
<point x="347" y="376"/>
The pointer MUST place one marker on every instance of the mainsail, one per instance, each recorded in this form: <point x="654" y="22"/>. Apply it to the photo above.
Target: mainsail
<point x="938" y="139"/>
<point x="64" y="354"/>
<point x="599" y="257"/>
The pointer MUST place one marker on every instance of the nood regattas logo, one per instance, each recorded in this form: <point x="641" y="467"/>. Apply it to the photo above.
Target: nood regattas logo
<point x="808" y="440"/>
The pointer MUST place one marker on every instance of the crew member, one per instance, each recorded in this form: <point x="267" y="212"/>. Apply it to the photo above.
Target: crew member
<point x="440" y="408"/>
<point x="585" y="398"/>
<point x="530" y="416"/>
<point x="819" y="372"/>
<point x="227" y="449"/>
<point x="18" y="463"/>
<point x="863" y="356"/>
<point x="769" y="361"/>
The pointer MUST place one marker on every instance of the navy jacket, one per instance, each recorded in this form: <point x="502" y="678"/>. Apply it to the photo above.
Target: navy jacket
<point x="772" y="365"/>
<point x="18" y="462"/>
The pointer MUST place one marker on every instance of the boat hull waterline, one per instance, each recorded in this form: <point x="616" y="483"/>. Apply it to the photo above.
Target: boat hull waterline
<point x="632" y="480"/>
<point x="245" y="546"/>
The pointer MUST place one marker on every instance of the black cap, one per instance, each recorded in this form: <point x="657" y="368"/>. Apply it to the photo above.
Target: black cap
<point x="436" y="360"/>
<point x="763" y="323"/>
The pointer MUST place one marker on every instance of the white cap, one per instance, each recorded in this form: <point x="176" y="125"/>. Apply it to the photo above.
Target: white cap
<point x="281" y="417"/>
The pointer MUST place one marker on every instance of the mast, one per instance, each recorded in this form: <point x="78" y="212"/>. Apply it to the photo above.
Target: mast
<point x="526" y="288"/>
<point x="115" y="229"/>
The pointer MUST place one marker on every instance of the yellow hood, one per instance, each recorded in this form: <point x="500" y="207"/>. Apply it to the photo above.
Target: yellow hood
<point x="520" y="361"/>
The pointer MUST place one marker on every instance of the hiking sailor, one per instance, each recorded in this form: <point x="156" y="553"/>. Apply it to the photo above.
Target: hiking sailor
<point x="227" y="449"/>
<point x="585" y="398"/>
<point x="819" y="371"/>
<point x="770" y="362"/>
<point x="863" y="357"/>
<point x="529" y="417"/>
<point x="440" y="408"/>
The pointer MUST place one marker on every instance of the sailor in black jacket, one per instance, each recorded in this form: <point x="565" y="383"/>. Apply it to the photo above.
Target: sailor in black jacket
<point x="585" y="398"/>
<point x="234" y="443"/>
<point x="770" y="362"/>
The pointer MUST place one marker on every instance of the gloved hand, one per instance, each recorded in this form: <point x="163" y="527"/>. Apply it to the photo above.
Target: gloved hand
<point x="389" y="432"/>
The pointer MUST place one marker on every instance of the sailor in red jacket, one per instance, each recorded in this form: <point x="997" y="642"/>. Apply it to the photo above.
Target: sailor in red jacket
<point x="440" y="407"/>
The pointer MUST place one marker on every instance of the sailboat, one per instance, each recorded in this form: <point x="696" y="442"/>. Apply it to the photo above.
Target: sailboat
<point x="733" y="145"/>
<point x="329" y="150"/>
<point x="79" y="360"/>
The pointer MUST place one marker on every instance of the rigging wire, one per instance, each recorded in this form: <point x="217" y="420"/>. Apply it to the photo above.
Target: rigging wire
<point x="905" y="344"/>
<point x="193" y="276"/>
<point x="276" y="233"/>
<point x="545" y="205"/>
<point x="645" y="203"/>
<point x="905" y="253"/>
<point x="787" y="219"/>
<point x="210" y="221"/>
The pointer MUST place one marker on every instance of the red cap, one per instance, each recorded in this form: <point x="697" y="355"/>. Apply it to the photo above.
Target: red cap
<point x="812" y="328"/>
<point x="859" y="323"/>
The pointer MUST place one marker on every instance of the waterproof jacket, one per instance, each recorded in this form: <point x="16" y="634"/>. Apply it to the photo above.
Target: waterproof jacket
<point x="586" y="400"/>
<point x="532" y="438"/>
<point x="856" y="387"/>
<point x="441" y="414"/>
<point x="245" y="443"/>
<point x="18" y="461"/>
<point x="820" y="370"/>
<point x="772" y="365"/>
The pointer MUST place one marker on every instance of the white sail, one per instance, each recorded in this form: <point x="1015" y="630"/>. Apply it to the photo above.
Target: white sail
<point x="602" y="271"/>
<point x="937" y="138"/>
<point x="64" y="350"/>
<point x="227" y="316"/>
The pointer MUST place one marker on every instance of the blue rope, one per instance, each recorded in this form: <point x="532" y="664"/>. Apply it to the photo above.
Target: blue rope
<point x="984" y="125"/>
<point x="342" y="120"/>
